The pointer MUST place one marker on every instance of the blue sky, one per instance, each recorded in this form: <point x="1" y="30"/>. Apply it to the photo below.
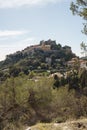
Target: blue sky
<point x="26" y="22"/>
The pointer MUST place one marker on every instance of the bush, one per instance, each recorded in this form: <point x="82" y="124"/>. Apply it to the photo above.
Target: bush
<point x="26" y="102"/>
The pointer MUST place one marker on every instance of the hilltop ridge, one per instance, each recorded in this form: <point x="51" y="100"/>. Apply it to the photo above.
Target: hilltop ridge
<point x="48" y="52"/>
<point x="46" y="56"/>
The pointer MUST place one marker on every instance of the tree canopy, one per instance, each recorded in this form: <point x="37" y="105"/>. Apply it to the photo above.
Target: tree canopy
<point x="79" y="7"/>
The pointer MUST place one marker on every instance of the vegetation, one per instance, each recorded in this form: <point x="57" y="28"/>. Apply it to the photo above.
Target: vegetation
<point x="43" y="57"/>
<point x="80" y="8"/>
<point x="28" y="99"/>
<point x="84" y="49"/>
<point x="30" y="94"/>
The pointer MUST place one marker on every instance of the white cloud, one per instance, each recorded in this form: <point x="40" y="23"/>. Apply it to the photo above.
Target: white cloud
<point x="19" y="3"/>
<point x="7" y="33"/>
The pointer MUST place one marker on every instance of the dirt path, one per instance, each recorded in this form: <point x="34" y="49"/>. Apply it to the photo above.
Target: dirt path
<point x="80" y="124"/>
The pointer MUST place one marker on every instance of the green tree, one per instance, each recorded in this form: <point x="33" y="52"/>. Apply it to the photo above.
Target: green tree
<point x="83" y="78"/>
<point x="84" y="48"/>
<point x="14" y="71"/>
<point x="56" y="82"/>
<point x="79" y="7"/>
<point x="63" y="81"/>
<point x="59" y="46"/>
<point x="73" y="80"/>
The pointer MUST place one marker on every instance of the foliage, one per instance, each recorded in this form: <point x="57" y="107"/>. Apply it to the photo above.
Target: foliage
<point x="84" y="48"/>
<point x="56" y="82"/>
<point x="25" y="101"/>
<point x="14" y="71"/>
<point x="36" y="58"/>
<point x="80" y="8"/>
<point x="75" y="79"/>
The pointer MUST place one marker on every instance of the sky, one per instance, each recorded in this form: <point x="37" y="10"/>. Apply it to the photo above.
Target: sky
<point x="27" y="22"/>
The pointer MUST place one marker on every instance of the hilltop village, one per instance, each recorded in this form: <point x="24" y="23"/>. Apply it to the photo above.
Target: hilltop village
<point x="47" y="56"/>
<point x="44" y="83"/>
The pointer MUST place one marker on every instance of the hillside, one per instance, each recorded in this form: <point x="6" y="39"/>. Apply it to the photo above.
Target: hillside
<point x="48" y="52"/>
<point x="26" y="102"/>
<point x="47" y="55"/>
<point x="29" y="96"/>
